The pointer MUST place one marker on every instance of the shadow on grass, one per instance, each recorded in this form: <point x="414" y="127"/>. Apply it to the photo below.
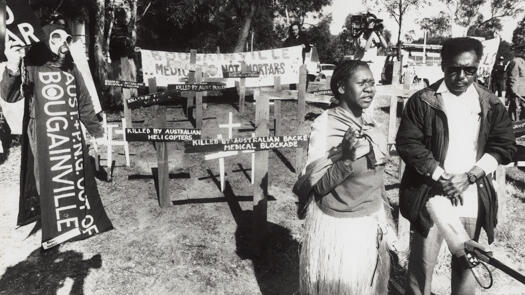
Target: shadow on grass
<point x="44" y="272"/>
<point x="276" y="266"/>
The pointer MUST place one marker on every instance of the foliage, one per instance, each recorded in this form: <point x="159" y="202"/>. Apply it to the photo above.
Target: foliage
<point x="505" y="50"/>
<point x="71" y="9"/>
<point x="518" y="36"/>
<point x="486" y="29"/>
<point x="398" y="9"/>
<point x="206" y="25"/>
<point x="466" y="13"/>
<point x="330" y="48"/>
<point x="436" y="26"/>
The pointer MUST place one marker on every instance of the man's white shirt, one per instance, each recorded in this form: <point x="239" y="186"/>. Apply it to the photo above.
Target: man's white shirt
<point x="463" y="114"/>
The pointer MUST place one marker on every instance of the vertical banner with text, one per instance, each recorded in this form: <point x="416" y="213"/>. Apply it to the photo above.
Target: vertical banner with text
<point x="70" y="204"/>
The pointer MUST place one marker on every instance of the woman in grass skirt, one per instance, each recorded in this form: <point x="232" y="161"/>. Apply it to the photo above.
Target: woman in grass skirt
<point x="341" y="192"/>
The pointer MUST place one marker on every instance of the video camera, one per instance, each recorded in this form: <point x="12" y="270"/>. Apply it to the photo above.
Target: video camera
<point x="365" y="23"/>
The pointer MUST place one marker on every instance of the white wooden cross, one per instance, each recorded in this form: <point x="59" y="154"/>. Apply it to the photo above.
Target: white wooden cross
<point x="222" y="155"/>
<point x="230" y="125"/>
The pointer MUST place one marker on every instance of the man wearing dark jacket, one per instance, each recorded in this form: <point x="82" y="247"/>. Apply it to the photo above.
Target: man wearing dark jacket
<point x="453" y="134"/>
<point x="516" y="83"/>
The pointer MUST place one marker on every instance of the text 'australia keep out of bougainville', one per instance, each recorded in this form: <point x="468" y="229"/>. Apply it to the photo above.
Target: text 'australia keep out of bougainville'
<point x="65" y="152"/>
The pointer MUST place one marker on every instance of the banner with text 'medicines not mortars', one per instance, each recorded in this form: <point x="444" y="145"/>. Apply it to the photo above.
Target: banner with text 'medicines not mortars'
<point x="173" y="67"/>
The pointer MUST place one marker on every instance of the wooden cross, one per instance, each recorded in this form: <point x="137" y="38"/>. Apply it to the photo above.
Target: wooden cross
<point x="241" y="84"/>
<point x="126" y="92"/>
<point x="230" y="125"/>
<point x="194" y="88"/>
<point x="222" y="155"/>
<point x="261" y="143"/>
<point x="160" y="135"/>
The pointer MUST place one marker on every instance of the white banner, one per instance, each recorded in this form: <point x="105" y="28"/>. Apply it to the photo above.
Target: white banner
<point x="490" y="51"/>
<point x="172" y="67"/>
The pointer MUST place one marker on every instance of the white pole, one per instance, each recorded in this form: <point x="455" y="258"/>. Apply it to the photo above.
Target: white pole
<point x="425" y="48"/>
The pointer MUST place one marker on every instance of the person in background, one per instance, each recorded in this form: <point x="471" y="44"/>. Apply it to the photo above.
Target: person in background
<point x="516" y="83"/>
<point x="295" y="38"/>
<point x="498" y="77"/>
<point x="452" y="136"/>
<point x="341" y="191"/>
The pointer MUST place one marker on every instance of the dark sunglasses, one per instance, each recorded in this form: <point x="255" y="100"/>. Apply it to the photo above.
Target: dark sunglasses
<point x="469" y="71"/>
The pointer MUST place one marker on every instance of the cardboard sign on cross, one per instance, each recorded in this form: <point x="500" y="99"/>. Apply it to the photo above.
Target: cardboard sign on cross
<point x="195" y="89"/>
<point x="161" y="135"/>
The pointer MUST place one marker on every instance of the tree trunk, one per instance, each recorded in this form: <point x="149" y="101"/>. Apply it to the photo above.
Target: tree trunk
<point x="400" y="6"/>
<point x="97" y="24"/>
<point x="399" y="38"/>
<point x="107" y="30"/>
<point x="132" y="25"/>
<point x="245" y="30"/>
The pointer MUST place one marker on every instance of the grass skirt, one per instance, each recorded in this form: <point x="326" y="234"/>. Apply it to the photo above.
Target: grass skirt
<point x="339" y="255"/>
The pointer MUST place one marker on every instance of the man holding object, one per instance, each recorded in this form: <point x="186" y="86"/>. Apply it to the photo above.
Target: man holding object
<point x="453" y="134"/>
<point x="57" y="181"/>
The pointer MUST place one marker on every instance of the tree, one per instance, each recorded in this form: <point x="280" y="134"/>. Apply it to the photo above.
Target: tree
<point x="436" y="26"/>
<point x="208" y="24"/>
<point x="487" y="30"/>
<point x="518" y="36"/>
<point x="505" y="50"/>
<point x="466" y="13"/>
<point x="398" y="9"/>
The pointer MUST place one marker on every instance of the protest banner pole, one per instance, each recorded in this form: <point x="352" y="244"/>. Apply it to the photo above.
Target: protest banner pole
<point x="260" y="186"/>
<point x="401" y="162"/>
<point x="198" y="100"/>
<point x="396" y="73"/>
<point x="162" y="150"/>
<point x="126" y="92"/>
<point x="301" y="110"/>
<point x="191" y="80"/>
<point x="403" y="225"/>
<point x="242" y="88"/>
<point x="277" y="107"/>
<point x="392" y="122"/>
<point x="2" y="29"/>
<point x="301" y="93"/>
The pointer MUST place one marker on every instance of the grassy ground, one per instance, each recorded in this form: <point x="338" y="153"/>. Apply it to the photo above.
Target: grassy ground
<point x="200" y="245"/>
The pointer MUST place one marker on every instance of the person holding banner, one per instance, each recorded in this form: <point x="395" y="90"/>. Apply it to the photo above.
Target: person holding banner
<point x="452" y="136"/>
<point x="57" y="180"/>
<point x="341" y="191"/>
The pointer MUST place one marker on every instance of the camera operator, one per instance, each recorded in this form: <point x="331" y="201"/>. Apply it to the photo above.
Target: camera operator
<point x="367" y="31"/>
